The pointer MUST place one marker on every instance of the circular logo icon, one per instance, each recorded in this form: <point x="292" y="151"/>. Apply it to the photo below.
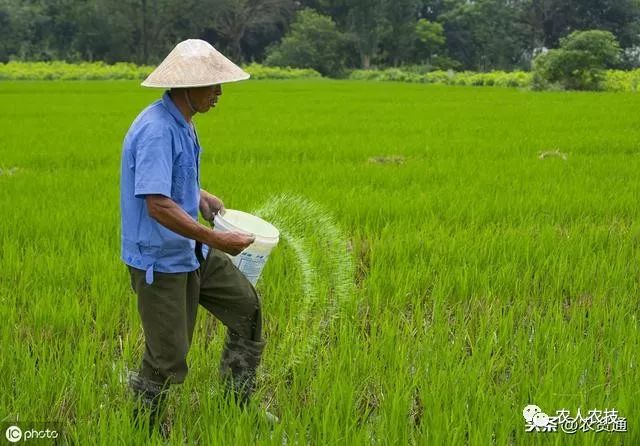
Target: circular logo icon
<point x="541" y="419"/>
<point x="529" y="412"/>
<point x="13" y="434"/>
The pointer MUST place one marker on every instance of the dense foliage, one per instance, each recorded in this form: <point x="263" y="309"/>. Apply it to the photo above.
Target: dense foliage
<point x="482" y="35"/>
<point x="495" y="78"/>
<point x="314" y="42"/>
<point x="613" y="80"/>
<point x="102" y="71"/>
<point x="579" y="63"/>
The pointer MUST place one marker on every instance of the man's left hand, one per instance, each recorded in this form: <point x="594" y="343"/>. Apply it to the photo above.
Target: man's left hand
<point x="210" y="205"/>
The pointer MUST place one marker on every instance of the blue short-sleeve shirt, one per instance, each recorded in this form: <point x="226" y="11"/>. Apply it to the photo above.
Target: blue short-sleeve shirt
<point x="160" y="155"/>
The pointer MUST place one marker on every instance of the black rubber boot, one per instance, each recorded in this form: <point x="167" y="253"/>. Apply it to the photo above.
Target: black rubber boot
<point x="151" y="403"/>
<point x="240" y="359"/>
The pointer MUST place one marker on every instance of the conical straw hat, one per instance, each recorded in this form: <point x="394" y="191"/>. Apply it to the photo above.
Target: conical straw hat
<point x="194" y="63"/>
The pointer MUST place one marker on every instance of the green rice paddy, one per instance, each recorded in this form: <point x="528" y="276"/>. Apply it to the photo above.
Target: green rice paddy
<point x="449" y="256"/>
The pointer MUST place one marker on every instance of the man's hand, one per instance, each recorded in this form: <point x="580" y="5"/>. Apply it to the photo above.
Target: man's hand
<point x="210" y="205"/>
<point x="231" y="242"/>
<point x="166" y="212"/>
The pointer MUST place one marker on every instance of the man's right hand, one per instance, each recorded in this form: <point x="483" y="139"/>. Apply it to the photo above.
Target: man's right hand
<point x="231" y="242"/>
<point x="166" y="212"/>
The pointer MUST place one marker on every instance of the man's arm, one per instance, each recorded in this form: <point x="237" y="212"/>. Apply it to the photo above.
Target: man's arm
<point x="166" y="212"/>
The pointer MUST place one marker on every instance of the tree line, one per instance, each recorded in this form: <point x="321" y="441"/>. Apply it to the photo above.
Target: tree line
<point x="476" y="35"/>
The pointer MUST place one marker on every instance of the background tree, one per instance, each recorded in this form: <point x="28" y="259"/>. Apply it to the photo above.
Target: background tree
<point x="430" y="37"/>
<point x="480" y="34"/>
<point x="399" y="39"/>
<point x="580" y="61"/>
<point x="549" y="20"/>
<point x="105" y="32"/>
<point x="366" y="20"/>
<point x="338" y="10"/>
<point x="484" y="34"/>
<point x="315" y="42"/>
<point x="235" y="19"/>
<point x="620" y="17"/>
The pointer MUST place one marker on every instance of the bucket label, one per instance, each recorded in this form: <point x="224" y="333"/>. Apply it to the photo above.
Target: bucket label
<point x="251" y="266"/>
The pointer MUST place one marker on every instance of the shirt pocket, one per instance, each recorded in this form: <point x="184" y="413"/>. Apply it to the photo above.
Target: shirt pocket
<point x="184" y="177"/>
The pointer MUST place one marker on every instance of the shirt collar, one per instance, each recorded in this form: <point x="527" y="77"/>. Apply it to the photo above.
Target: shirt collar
<point x="175" y="112"/>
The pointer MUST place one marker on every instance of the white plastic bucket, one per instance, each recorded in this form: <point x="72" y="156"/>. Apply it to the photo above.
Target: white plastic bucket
<point x="251" y="261"/>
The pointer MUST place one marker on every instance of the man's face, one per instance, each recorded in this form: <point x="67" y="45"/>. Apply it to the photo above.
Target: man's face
<point x="205" y="98"/>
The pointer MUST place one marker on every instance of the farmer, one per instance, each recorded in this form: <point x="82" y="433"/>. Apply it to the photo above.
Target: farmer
<point x="176" y="263"/>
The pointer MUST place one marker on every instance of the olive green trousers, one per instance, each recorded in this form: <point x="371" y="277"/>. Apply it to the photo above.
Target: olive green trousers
<point x="169" y="305"/>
